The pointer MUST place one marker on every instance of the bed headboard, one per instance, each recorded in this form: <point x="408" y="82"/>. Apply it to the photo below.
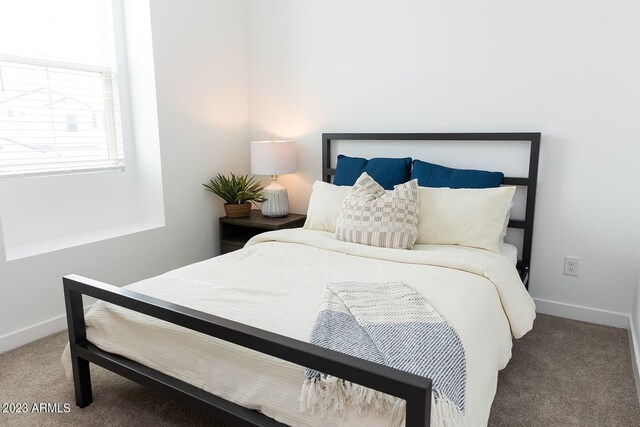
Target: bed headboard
<point x="529" y="181"/>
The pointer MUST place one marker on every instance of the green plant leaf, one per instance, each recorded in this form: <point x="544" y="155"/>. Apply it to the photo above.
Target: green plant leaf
<point x="236" y="189"/>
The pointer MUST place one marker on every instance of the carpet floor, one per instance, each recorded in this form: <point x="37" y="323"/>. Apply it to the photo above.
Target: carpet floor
<point x="563" y="373"/>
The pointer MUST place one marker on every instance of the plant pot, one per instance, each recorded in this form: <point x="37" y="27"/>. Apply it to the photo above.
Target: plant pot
<point x="241" y="210"/>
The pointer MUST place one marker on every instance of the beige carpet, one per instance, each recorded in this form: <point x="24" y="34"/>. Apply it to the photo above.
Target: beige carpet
<point x="563" y="373"/>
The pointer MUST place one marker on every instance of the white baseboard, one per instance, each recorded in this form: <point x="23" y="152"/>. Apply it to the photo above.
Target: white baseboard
<point x="585" y="314"/>
<point x="35" y="332"/>
<point x="634" y="343"/>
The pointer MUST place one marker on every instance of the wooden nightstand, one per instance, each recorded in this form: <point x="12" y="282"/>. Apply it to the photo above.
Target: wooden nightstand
<point x="235" y="232"/>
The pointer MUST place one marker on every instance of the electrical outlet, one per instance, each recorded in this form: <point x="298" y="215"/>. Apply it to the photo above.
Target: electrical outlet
<point x="571" y="265"/>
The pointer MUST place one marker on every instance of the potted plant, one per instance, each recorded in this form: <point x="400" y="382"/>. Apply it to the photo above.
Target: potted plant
<point x="238" y="192"/>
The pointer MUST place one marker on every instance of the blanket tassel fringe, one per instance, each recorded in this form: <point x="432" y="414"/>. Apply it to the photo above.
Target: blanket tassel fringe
<point x="330" y="394"/>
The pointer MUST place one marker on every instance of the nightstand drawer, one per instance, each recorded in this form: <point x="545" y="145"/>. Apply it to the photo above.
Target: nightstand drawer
<point x="235" y="232"/>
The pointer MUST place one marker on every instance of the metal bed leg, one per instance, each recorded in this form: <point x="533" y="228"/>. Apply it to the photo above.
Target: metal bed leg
<point x="418" y="412"/>
<point x="82" y="381"/>
<point x="77" y="335"/>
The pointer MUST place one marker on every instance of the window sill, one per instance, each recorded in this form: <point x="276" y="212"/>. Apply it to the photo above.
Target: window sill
<point x="77" y="171"/>
<point x="13" y="253"/>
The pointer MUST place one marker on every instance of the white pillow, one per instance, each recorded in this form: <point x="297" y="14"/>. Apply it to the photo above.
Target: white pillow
<point x="467" y="217"/>
<point x="324" y="205"/>
<point x="505" y="228"/>
<point x="375" y="217"/>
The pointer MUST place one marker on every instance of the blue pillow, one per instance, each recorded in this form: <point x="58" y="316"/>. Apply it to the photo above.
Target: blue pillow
<point x="385" y="171"/>
<point x="432" y="175"/>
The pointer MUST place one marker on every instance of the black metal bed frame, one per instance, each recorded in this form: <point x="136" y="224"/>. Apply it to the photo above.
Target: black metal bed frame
<point x="414" y="389"/>
<point x="530" y="181"/>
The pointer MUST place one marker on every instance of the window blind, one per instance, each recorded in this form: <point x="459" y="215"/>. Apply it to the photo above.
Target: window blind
<point x="59" y="105"/>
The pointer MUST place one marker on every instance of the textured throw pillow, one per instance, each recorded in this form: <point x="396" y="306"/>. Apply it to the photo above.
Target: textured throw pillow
<point x="385" y="171"/>
<point x="375" y="217"/>
<point x="467" y="217"/>
<point x="324" y="206"/>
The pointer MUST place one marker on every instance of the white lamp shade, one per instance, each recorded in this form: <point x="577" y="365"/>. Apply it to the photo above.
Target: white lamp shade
<point x="273" y="157"/>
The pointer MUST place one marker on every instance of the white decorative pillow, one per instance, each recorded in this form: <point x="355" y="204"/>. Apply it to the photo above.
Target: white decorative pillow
<point x="467" y="217"/>
<point x="324" y="206"/>
<point x="375" y="217"/>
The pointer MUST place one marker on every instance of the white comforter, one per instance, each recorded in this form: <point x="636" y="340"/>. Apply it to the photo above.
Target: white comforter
<point x="276" y="283"/>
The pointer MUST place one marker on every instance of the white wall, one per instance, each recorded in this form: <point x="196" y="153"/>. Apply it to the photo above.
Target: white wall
<point x="567" y="69"/>
<point x="199" y="50"/>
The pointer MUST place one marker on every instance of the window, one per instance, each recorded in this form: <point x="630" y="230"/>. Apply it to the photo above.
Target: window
<point x="59" y="103"/>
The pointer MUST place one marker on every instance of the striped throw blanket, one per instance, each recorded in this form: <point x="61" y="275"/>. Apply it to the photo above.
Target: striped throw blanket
<point x="391" y="324"/>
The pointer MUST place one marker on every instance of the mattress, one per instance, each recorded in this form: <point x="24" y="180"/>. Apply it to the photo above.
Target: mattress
<point x="510" y="252"/>
<point x="276" y="283"/>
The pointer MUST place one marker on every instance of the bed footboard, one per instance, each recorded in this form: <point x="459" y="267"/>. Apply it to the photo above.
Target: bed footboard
<point x="415" y="389"/>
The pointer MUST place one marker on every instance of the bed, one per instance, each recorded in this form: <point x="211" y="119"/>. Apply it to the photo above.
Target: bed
<point x="234" y="344"/>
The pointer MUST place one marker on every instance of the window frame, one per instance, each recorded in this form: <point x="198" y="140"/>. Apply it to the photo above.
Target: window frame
<point x="110" y="79"/>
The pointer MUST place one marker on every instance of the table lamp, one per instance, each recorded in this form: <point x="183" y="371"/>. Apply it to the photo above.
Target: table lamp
<point x="273" y="158"/>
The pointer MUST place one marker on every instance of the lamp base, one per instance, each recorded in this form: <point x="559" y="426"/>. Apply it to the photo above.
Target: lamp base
<point x="277" y="203"/>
